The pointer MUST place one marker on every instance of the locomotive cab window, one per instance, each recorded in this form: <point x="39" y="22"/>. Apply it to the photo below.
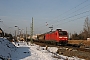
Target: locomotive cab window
<point x="62" y="33"/>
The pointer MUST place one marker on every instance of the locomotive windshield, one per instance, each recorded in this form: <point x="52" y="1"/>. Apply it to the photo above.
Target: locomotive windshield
<point x="62" y="33"/>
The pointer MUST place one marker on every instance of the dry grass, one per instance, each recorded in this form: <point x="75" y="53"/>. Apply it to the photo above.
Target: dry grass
<point x="85" y="42"/>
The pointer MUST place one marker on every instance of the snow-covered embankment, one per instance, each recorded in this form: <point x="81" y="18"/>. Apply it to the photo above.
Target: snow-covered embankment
<point x="6" y="49"/>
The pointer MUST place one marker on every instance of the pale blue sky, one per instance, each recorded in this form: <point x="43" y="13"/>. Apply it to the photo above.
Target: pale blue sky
<point x="65" y="14"/>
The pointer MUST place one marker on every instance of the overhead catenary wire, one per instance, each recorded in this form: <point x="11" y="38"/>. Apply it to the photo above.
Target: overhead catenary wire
<point x="73" y="16"/>
<point x="73" y="19"/>
<point x="72" y="9"/>
<point x="73" y="12"/>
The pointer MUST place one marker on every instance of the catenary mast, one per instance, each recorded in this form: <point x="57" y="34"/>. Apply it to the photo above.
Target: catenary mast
<point x="32" y="31"/>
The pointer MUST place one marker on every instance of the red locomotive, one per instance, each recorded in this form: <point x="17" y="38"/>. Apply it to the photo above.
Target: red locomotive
<point x="58" y="36"/>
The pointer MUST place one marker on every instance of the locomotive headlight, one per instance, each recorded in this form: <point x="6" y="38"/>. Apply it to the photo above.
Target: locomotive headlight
<point x="60" y="37"/>
<point x="65" y="37"/>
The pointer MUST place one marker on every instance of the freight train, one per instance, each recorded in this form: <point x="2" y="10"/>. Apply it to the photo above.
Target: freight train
<point x="58" y="37"/>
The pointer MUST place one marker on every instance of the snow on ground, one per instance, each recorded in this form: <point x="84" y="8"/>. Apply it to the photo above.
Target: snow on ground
<point x="22" y="51"/>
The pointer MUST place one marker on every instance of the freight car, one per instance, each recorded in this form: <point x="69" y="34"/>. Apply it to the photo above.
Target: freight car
<point x="58" y="36"/>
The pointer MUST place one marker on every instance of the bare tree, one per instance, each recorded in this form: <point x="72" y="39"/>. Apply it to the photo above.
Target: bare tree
<point x="87" y="28"/>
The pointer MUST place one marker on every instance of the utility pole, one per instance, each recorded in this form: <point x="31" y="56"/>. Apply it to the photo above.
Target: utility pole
<point x="26" y="34"/>
<point x="32" y="31"/>
<point x="15" y="37"/>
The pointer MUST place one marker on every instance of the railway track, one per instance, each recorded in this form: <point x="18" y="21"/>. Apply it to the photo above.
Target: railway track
<point x="69" y="46"/>
<point x="69" y="50"/>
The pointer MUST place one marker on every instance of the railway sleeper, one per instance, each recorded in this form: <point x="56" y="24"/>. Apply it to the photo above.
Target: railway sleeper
<point x="74" y="45"/>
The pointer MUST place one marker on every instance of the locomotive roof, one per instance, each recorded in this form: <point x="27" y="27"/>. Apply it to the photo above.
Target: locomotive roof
<point x="51" y="31"/>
